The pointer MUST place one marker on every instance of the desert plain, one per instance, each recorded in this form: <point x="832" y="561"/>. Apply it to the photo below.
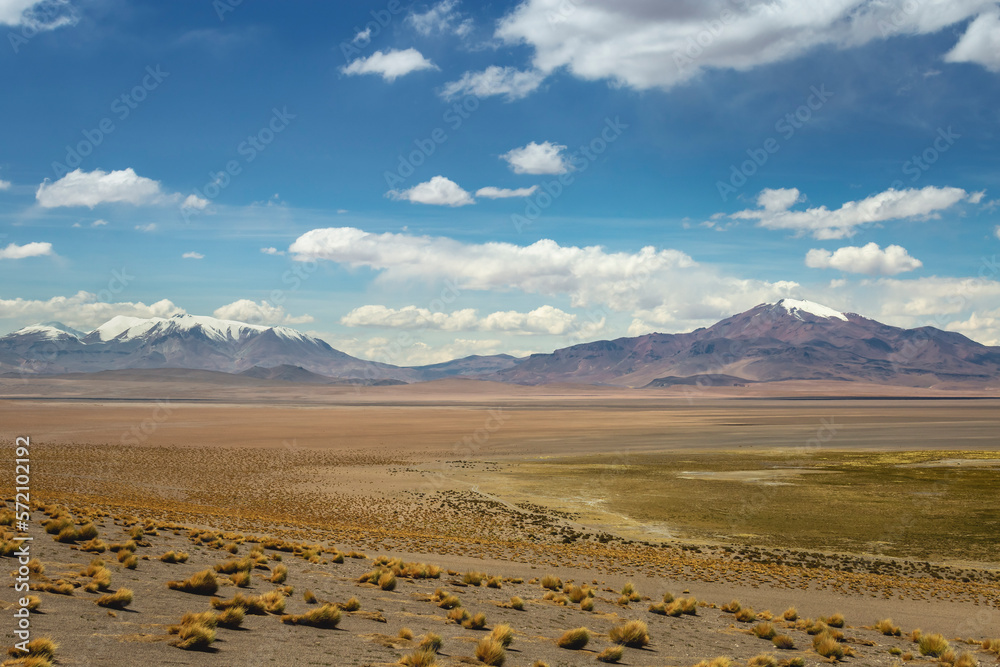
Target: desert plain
<point x="532" y="511"/>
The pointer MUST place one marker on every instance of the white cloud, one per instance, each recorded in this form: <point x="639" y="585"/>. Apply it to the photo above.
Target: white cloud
<point x="37" y="14"/>
<point x="543" y="158"/>
<point x="775" y="210"/>
<point x="99" y="223"/>
<point x="980" y="44"/>
<point x="869" y="259"/>
<point x="441" y="17"/>
<point x="251" y="312"/>
<point x="82" y="310"/>
<point x="439" y="191"/>
<point x="195" y="202"/>
<point x="80" y="188"/>
<point x="490" y="192"/>
<point x="4" y="185"/>
<point x="542" y="320"/>
<point x="508" y="81"/>
<point x="666" y="281"/>
<point x="33" y="249"/>
<point x="662" y="44"/>
<point x="147" y="228"/>
<point x="192" y="255"/>
<point x="996" y="231"/>
<point x="983" y="328"/>
<point x="389" y="65"/>
<point x="272" y="251"/>
<point x="419" y="353"/>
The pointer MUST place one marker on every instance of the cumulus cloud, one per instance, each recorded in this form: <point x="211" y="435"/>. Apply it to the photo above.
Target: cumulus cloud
<point x="4" y="185"/>
<point x="272" y="251"/>
<point x="419" y="353"/>
<point x="99" y="223"/>
<point x="980" y="44"/>
<point x="252" y="312"/>
<point x="147" y="228"/>
<point x="662" y="44"/>
<point x="490" y="192"/>
<point x="389" y="65"/>
<point x="869" y="259"/>
<point x="440" y="18"/>
<point x="982" y="327"/>
<point x="667" y="283"/>
<point x="82" y="311"/>
<point x="510" y="82"/>
<point x="33" y="249"/>
<point x="535" y="158"/>
<point x="192" y="255"/>
<point x="542" y="320"/>
<point x="775" y="212"/>
<point x="81" y="188"/>
<point x="195" y="202"/>
<point x="37" y="14"/>
<point x="996" y="231"/>
<point x="439" y="191"/>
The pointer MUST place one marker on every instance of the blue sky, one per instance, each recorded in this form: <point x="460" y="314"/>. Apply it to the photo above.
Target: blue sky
<point x="416" y="182"/>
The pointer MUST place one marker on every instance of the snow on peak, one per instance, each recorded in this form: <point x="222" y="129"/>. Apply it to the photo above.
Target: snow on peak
<point x="794" y="306"/>
<point x="50" y="330"/>
<point x="126" y="328"/>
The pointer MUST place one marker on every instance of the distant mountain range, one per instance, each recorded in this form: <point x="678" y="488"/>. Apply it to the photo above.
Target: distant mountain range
<point x="787" y="340"/>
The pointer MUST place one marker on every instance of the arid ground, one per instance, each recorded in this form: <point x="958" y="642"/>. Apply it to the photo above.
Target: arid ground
<point x="859" y="500"/>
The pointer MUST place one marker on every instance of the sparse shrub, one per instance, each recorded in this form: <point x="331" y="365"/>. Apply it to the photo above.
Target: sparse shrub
<point x="234" y="565"/>
<point x="42" y="647"/>
<point x="746" y="615"/>
<point x="95" y="545"/>
<point x="517" y="603"/>
<point x="827" y="646"/>
<point x="634" y="634"/>
<point x="458" y="615"/>
<point x="405" y="633"/>
<point x="117" y="600"/>
<point x="836" y="621"/>
<point x="886" y="627"/>
<point x="279" y="574"/>
<point x="765" y="631"/>
<point x="174" y="557"/>
<point x="327" y="617"/>
<point x="419" y="658"/>
<point x="131" y="561"/>
<point x="475" y="622"/>
<point x="504" y="634"/>
<point x="241" y="578"/>
<point x="688" y="606"/>
<point x="351" y="605"/>
<point x="933" y="645"/>
<point x="387" y="582"/>
<point x="473" y="578"/>
<point x="194" y="636"/>
<point x="551" y="582"/>
<point x="763" y="660"/>
<point x="491" y="652"/>
<point x="574" y="640"/>
<point x="200" y="583"/>
<point x="587" y="604"/>
<point x="611" y="654"/>
<point x="494" y="582"/>
<point x="791" y="615"/>
<point x="310" y="597"/>
<point x="34" y="602"/>
<point x="966" y="659"/>
<point x="449" y="602"/>
<point x="274" y="602"/>
<point x="783" y="642"/>
<point x="231" y="618"/>
<point x="732" y="607"/>
<point x="432" y="642"/>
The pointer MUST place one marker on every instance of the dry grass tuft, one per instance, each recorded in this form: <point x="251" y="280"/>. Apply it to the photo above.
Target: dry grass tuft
<point x="746" y="615"/>
<point x="42" y="647"/>
<point x="836" y="621"/>
<point x="174" y="557"/>
<point x="784" y="642"/>
<point x="517" y="603"/>
<point x="827" y="646"/>
<point x="551" y="582"/>
<point x="405" y="633"/>
<point x="489" y="651"/>
<point x="886" y="627"/>
<point x="763" y="660"/>
<point x="791" y="615"/>
<point x="279" y="574"/>
<point x="634" y="634"/>
<point x="574" y="640"/>
<point x="504" y="634"/>
<point x="196" y="632"/>
<point x="933" y="645"/>
<point x="117" y="600"/>
<point x="765" y="631"/>
<point x="420" y="658"/>
<point x="731" y="607"/>
<point x="310" y="597"/>
<point x="431" y="642"/>
<point x="327" y="617"/>
<point x="611" y="654"/>
<point x="231" y="618"/>
<point x="200" y="583"/>
<point x="587" y="605"/>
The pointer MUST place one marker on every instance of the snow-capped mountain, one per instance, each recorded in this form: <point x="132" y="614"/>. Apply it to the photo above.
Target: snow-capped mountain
<point x="787" y="340"/>
<point x="182" y="341"/>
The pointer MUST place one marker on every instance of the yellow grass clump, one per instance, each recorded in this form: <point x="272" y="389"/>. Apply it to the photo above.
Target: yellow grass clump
<point x="174" y="557"/>
<point x="634" y="634"/>
<point x="574" y="640"/>
<point x="933" y="645"/>
<point x="327" y="617"/>
<point x="117" y="600"/>
<point x="489" y="651"/>
<point x="611" y="654"/>
<point x="887" y="628"/>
